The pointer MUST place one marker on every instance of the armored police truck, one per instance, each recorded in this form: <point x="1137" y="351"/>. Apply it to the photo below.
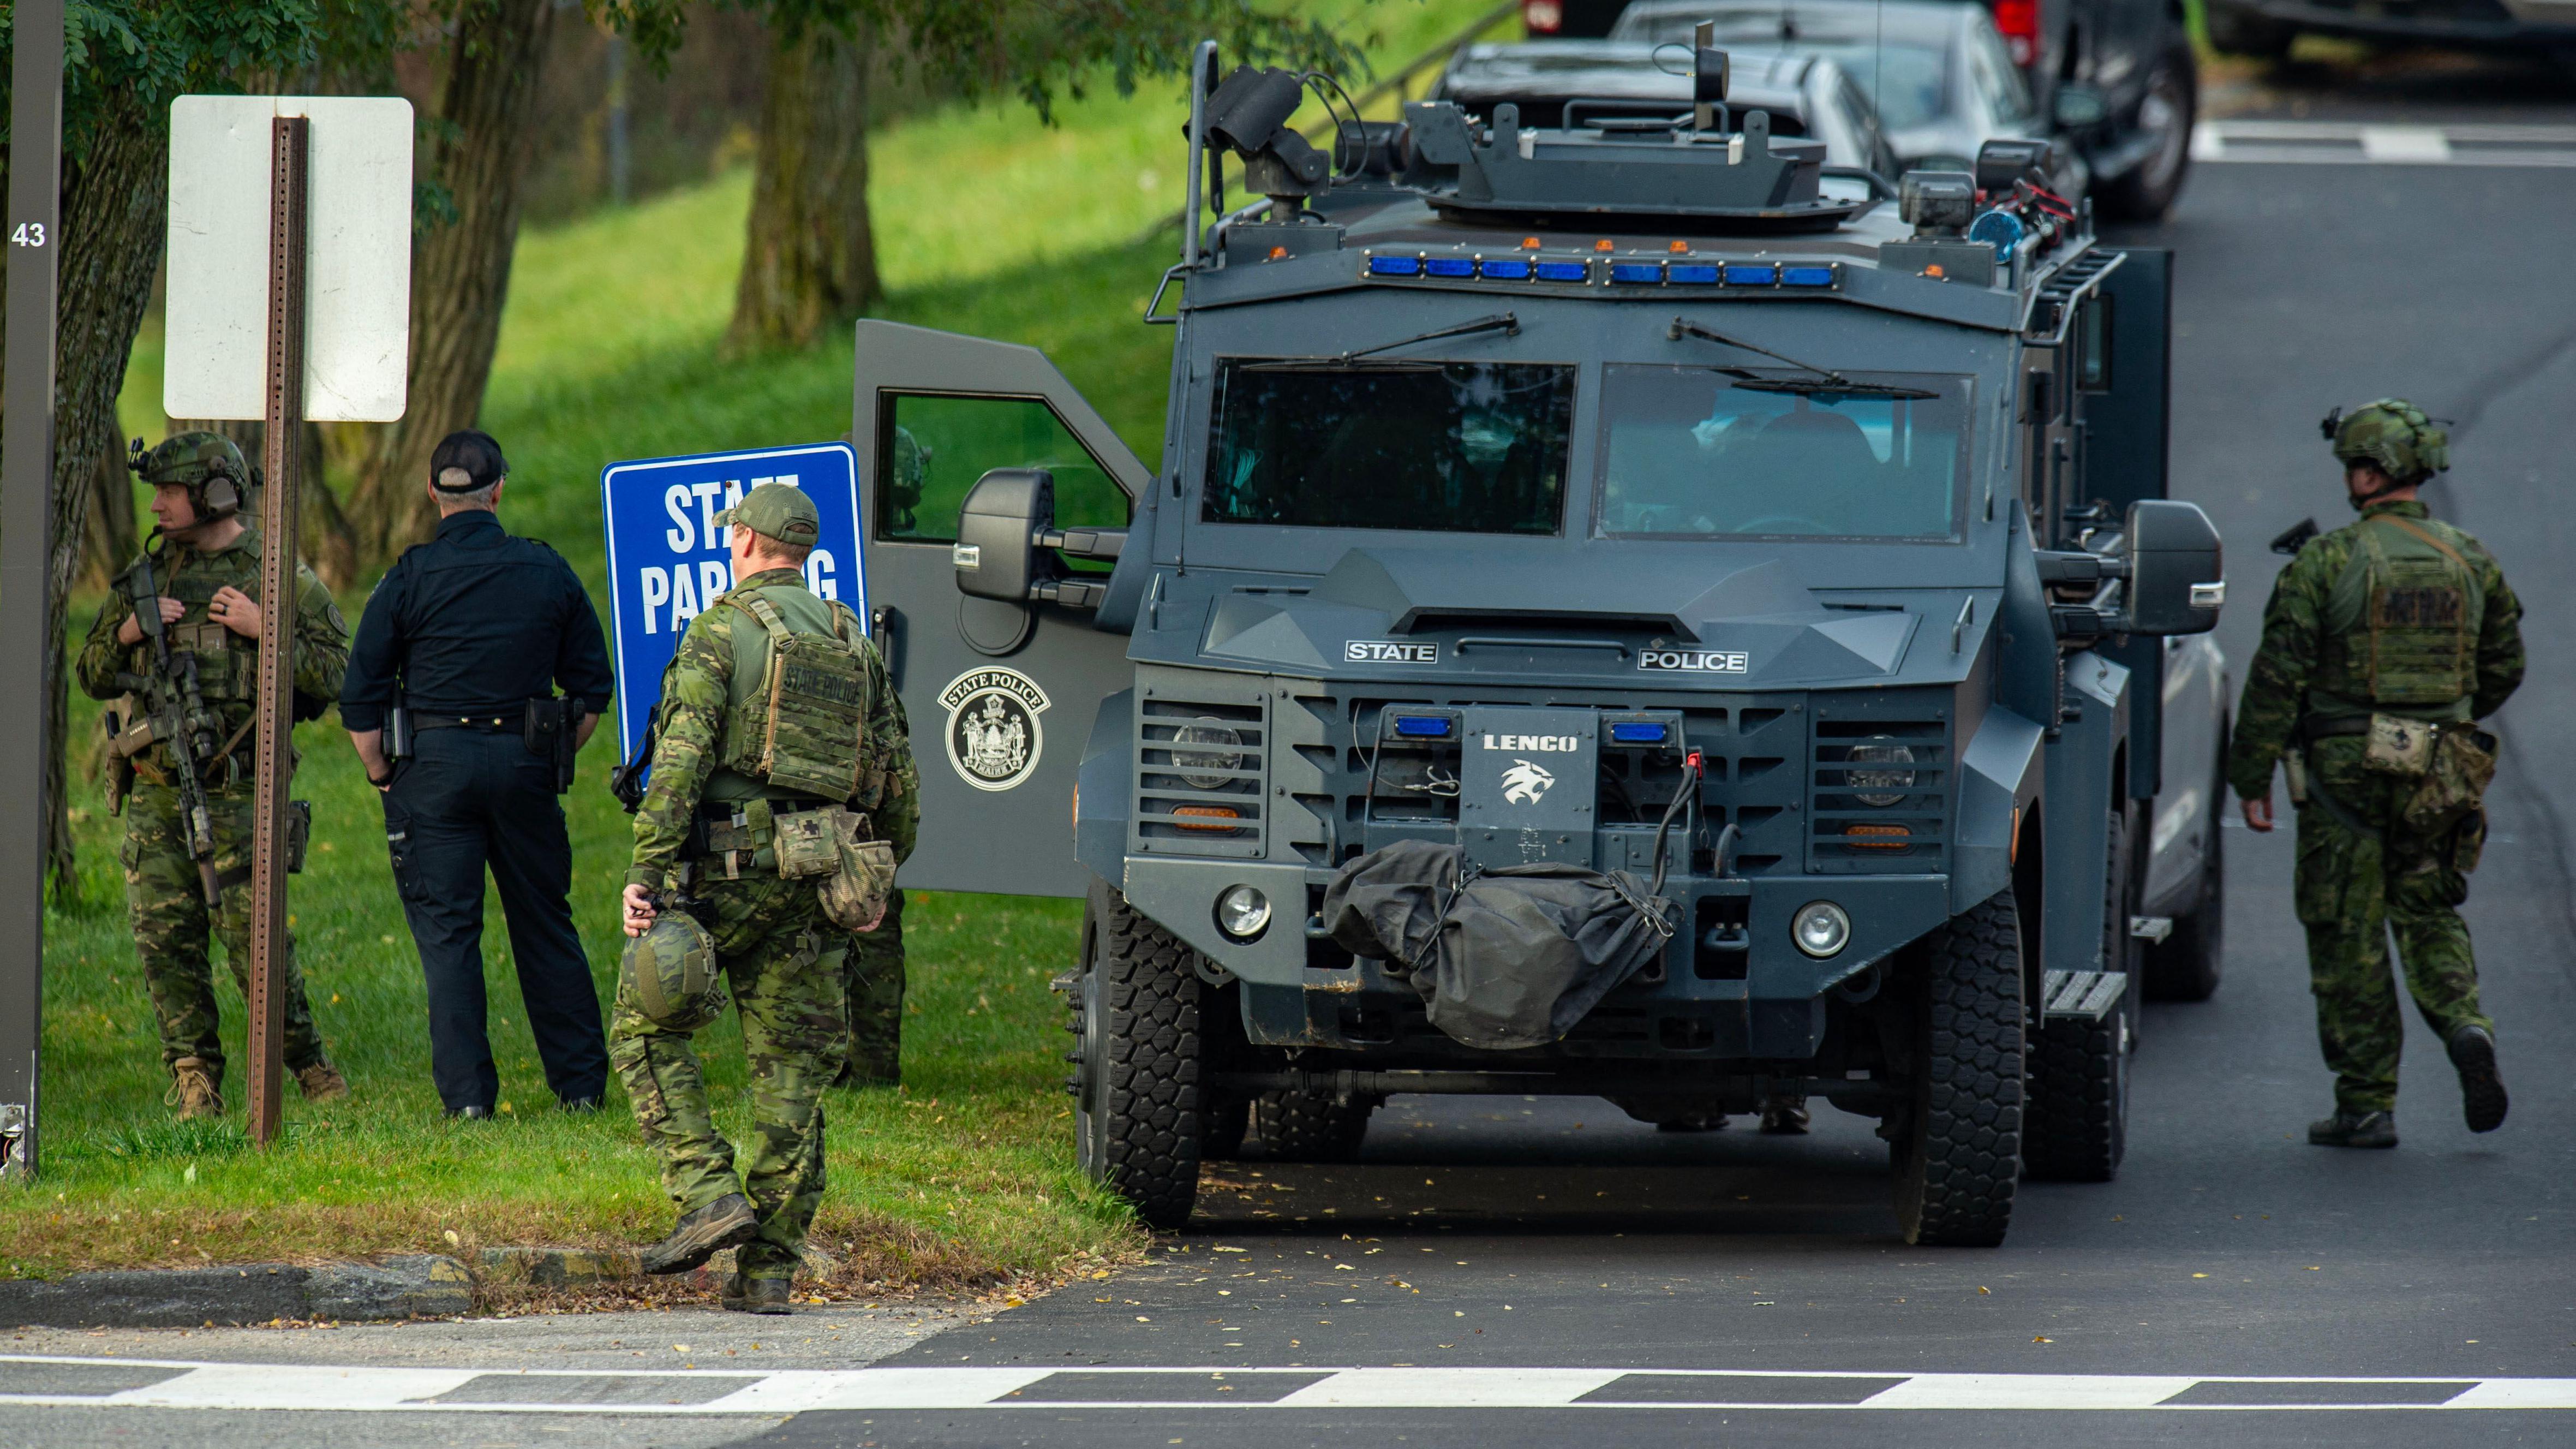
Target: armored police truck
<point x="1745" y="584"/>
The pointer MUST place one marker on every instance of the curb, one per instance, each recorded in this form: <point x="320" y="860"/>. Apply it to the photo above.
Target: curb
<point x="400" y="1286"/>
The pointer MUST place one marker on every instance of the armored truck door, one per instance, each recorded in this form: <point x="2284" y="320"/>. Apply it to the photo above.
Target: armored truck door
<point x="1001" y="695"/>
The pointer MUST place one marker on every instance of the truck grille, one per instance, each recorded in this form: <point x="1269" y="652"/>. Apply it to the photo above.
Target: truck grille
<point x="1202" y="776"/>
<point x="1879" y="793"/>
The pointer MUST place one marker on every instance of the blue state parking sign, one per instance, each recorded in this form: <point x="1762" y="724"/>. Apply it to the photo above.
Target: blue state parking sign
<point x="667" y="559"/>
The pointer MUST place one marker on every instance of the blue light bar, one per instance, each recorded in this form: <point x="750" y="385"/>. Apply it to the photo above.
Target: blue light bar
<point x="1395" y="266"/>
<point x="1422" y="726"/>
<point x="1449" y="267"/>
<point x="1701" y="272"/>
<point x="1640" y="732"/>
<point x="1751" y="274"/>
<point x="1634" y="273"/>
<point x="1563" y="271"/>
<point x="1511" y="269"/>
<point x="1807" y="276"/>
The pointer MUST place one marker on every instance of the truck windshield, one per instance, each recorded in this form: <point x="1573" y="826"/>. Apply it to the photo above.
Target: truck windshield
<point x="1466" y="447"/>
<point x="1686" y="451"/>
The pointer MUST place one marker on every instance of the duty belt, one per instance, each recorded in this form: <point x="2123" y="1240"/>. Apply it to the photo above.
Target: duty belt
<point x="488" y="723"/>
<point x="729" y="840"/>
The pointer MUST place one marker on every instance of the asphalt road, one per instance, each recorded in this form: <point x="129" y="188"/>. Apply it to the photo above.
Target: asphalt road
<point x="1521" y="1270"/>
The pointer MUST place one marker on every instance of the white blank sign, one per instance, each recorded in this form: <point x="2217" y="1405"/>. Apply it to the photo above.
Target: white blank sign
<point x="357" y="328"/>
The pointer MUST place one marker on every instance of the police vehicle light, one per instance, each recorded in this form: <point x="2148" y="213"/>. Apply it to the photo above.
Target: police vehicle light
<point x="1751" y="274"/>
<point x="1514" y="270"/>
<point x="1449" y="267"/>
<point x="1563" y="271"/>
<point x="1242" y="912"/>
<point x="1807" y="276"/>
<point x="1395" y="266"/>
<point x="1703" y="272"/>
<point x="1820" y="928"/>
<point x="1639" y="732"/>
<point x="1642" y="272"/>
<point x="1424" y="727"/>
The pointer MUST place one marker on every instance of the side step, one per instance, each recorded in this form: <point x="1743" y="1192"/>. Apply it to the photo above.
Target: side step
<point x="2080" y="995"/>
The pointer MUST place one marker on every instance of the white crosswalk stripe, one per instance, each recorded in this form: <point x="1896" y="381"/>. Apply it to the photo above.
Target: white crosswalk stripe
<point x="175" y="1384"/>
<point x="2347" y="143"/>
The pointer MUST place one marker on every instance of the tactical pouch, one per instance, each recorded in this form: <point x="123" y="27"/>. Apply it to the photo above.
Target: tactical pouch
<point x="299" y="832"/>
<point x="806" y="845"/>
<point x="854" y="895"/>
<point x="2399" y="746"/>
<point x="2463" y="763"/>
<point x="2469" y="842"/>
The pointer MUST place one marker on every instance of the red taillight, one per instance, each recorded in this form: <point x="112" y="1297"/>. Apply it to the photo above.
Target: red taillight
<point x="2019" y="22"/>
<point x="1543" y="17"/>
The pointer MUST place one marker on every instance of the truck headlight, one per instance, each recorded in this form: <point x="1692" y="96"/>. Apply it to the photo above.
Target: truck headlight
<point x="1820" y="928"/>
<point x="1243" y="912"/>
<point x="1879" y="787"/>
<point x="1203" y="753"/>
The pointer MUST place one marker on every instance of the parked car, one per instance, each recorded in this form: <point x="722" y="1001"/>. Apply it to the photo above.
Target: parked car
<point x="2265" y="28"/>
<point x="1936" y="71"/>
<point x="1807" y="95"/>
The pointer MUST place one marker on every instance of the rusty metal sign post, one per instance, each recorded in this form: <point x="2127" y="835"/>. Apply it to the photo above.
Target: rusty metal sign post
<point x="290" y="146"/>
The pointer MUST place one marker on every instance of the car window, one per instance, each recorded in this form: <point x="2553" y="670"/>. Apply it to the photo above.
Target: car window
<point x="1909" y="83"/>
<point x="1997" y="79"/>
<point x="1869" y="147"/>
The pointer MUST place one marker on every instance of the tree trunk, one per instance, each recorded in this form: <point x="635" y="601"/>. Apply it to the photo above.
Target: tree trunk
<point x="111" y="537"/>
<point x="809" y="258"/>
<point x="114" y="213"/>
<point x="460" y="273"/>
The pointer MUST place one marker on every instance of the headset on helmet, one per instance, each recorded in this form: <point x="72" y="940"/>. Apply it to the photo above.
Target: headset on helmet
<point x="2393" y="434"/>
<point x="209" y="465"/>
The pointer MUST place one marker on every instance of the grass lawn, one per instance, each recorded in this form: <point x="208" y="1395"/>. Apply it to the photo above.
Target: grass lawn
<point x="986" y="224"/>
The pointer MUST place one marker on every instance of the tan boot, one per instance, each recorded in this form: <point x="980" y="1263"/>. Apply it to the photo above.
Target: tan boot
<point x="322" y="1082"/>
<point x="192" y="1090"/>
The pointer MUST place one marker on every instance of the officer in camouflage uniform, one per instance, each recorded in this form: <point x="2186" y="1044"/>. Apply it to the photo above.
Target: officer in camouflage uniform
<point x="2382" y="642"/>
<point x="748" y="751"/>
<point x="208" y="577"/>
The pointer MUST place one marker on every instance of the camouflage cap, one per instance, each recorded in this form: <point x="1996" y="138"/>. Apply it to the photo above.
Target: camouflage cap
<point x="779" y="511"/>
<point x="671" y="973"/>
<point x="2392" y="433"/>
<point x="191" y="458"/>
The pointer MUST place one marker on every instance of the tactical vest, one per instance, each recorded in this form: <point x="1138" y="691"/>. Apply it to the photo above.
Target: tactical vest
<point x="796" y="716"/>
<point x="2402" y="624"/>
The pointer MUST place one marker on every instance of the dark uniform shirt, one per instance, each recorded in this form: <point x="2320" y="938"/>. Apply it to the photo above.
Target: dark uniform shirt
<point x="475" y="622"/>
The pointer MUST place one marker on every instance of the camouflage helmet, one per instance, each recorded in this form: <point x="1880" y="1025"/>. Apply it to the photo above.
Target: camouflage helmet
<point x="910" y="471"/>
<point x="2392" y="433"/>
<point x="671" y="973"/>
<point x="209" y="465"/>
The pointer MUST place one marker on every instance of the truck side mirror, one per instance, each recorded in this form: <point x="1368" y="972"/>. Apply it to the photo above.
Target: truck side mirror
<point x="2177" y="578"/>
<point x="996" y="552"/>
<point x="1003" y="535"/>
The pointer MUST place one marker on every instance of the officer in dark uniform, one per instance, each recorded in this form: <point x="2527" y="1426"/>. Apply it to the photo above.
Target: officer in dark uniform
<point x="451" y="703"/>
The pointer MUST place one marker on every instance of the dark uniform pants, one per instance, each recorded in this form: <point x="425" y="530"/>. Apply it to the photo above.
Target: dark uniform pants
<point x="466" y="799"/>
<point x="2352" y="889"/>
<point x="172" y="926"/>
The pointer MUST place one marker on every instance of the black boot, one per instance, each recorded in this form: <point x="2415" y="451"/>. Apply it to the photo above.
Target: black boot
<point x="2481" y="1090"/>
<point x="2354" y="1129"/>
<point x="757" y="1295"/>
<point x="728" y="1222"/>
<point x="1784" y="1119"/>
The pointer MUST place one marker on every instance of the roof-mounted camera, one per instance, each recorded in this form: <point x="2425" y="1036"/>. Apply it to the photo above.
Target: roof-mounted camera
<point x="1248" y="114"/>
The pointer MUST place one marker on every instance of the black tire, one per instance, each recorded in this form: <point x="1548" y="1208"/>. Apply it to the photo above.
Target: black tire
<point x="2235" y="30"/>
<point x="1310" y="1126"/>
<point x="2146" y="191"/>
<point x="1957" y="1150"/>
<point x="1136" y="1086"/>
<point x="2185" y="965"/>
<point x="2078" y="1118"/>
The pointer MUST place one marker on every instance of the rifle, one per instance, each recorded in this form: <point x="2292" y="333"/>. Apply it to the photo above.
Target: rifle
<point x="179" y="719"/>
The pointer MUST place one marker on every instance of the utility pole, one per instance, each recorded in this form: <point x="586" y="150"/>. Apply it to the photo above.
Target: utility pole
<point x="26" y="563"/>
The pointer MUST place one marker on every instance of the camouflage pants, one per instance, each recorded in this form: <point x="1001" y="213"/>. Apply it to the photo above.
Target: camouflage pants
<point x="794" y="1032"/>
<point x="2352" y="889"/>
<point x="872" y="973"/>
<point x="173" y="927"/>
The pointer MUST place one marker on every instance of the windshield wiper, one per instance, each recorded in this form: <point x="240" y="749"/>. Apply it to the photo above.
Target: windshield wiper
<point x="1830" y="380"/>
<point x="1503" y="322"/>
